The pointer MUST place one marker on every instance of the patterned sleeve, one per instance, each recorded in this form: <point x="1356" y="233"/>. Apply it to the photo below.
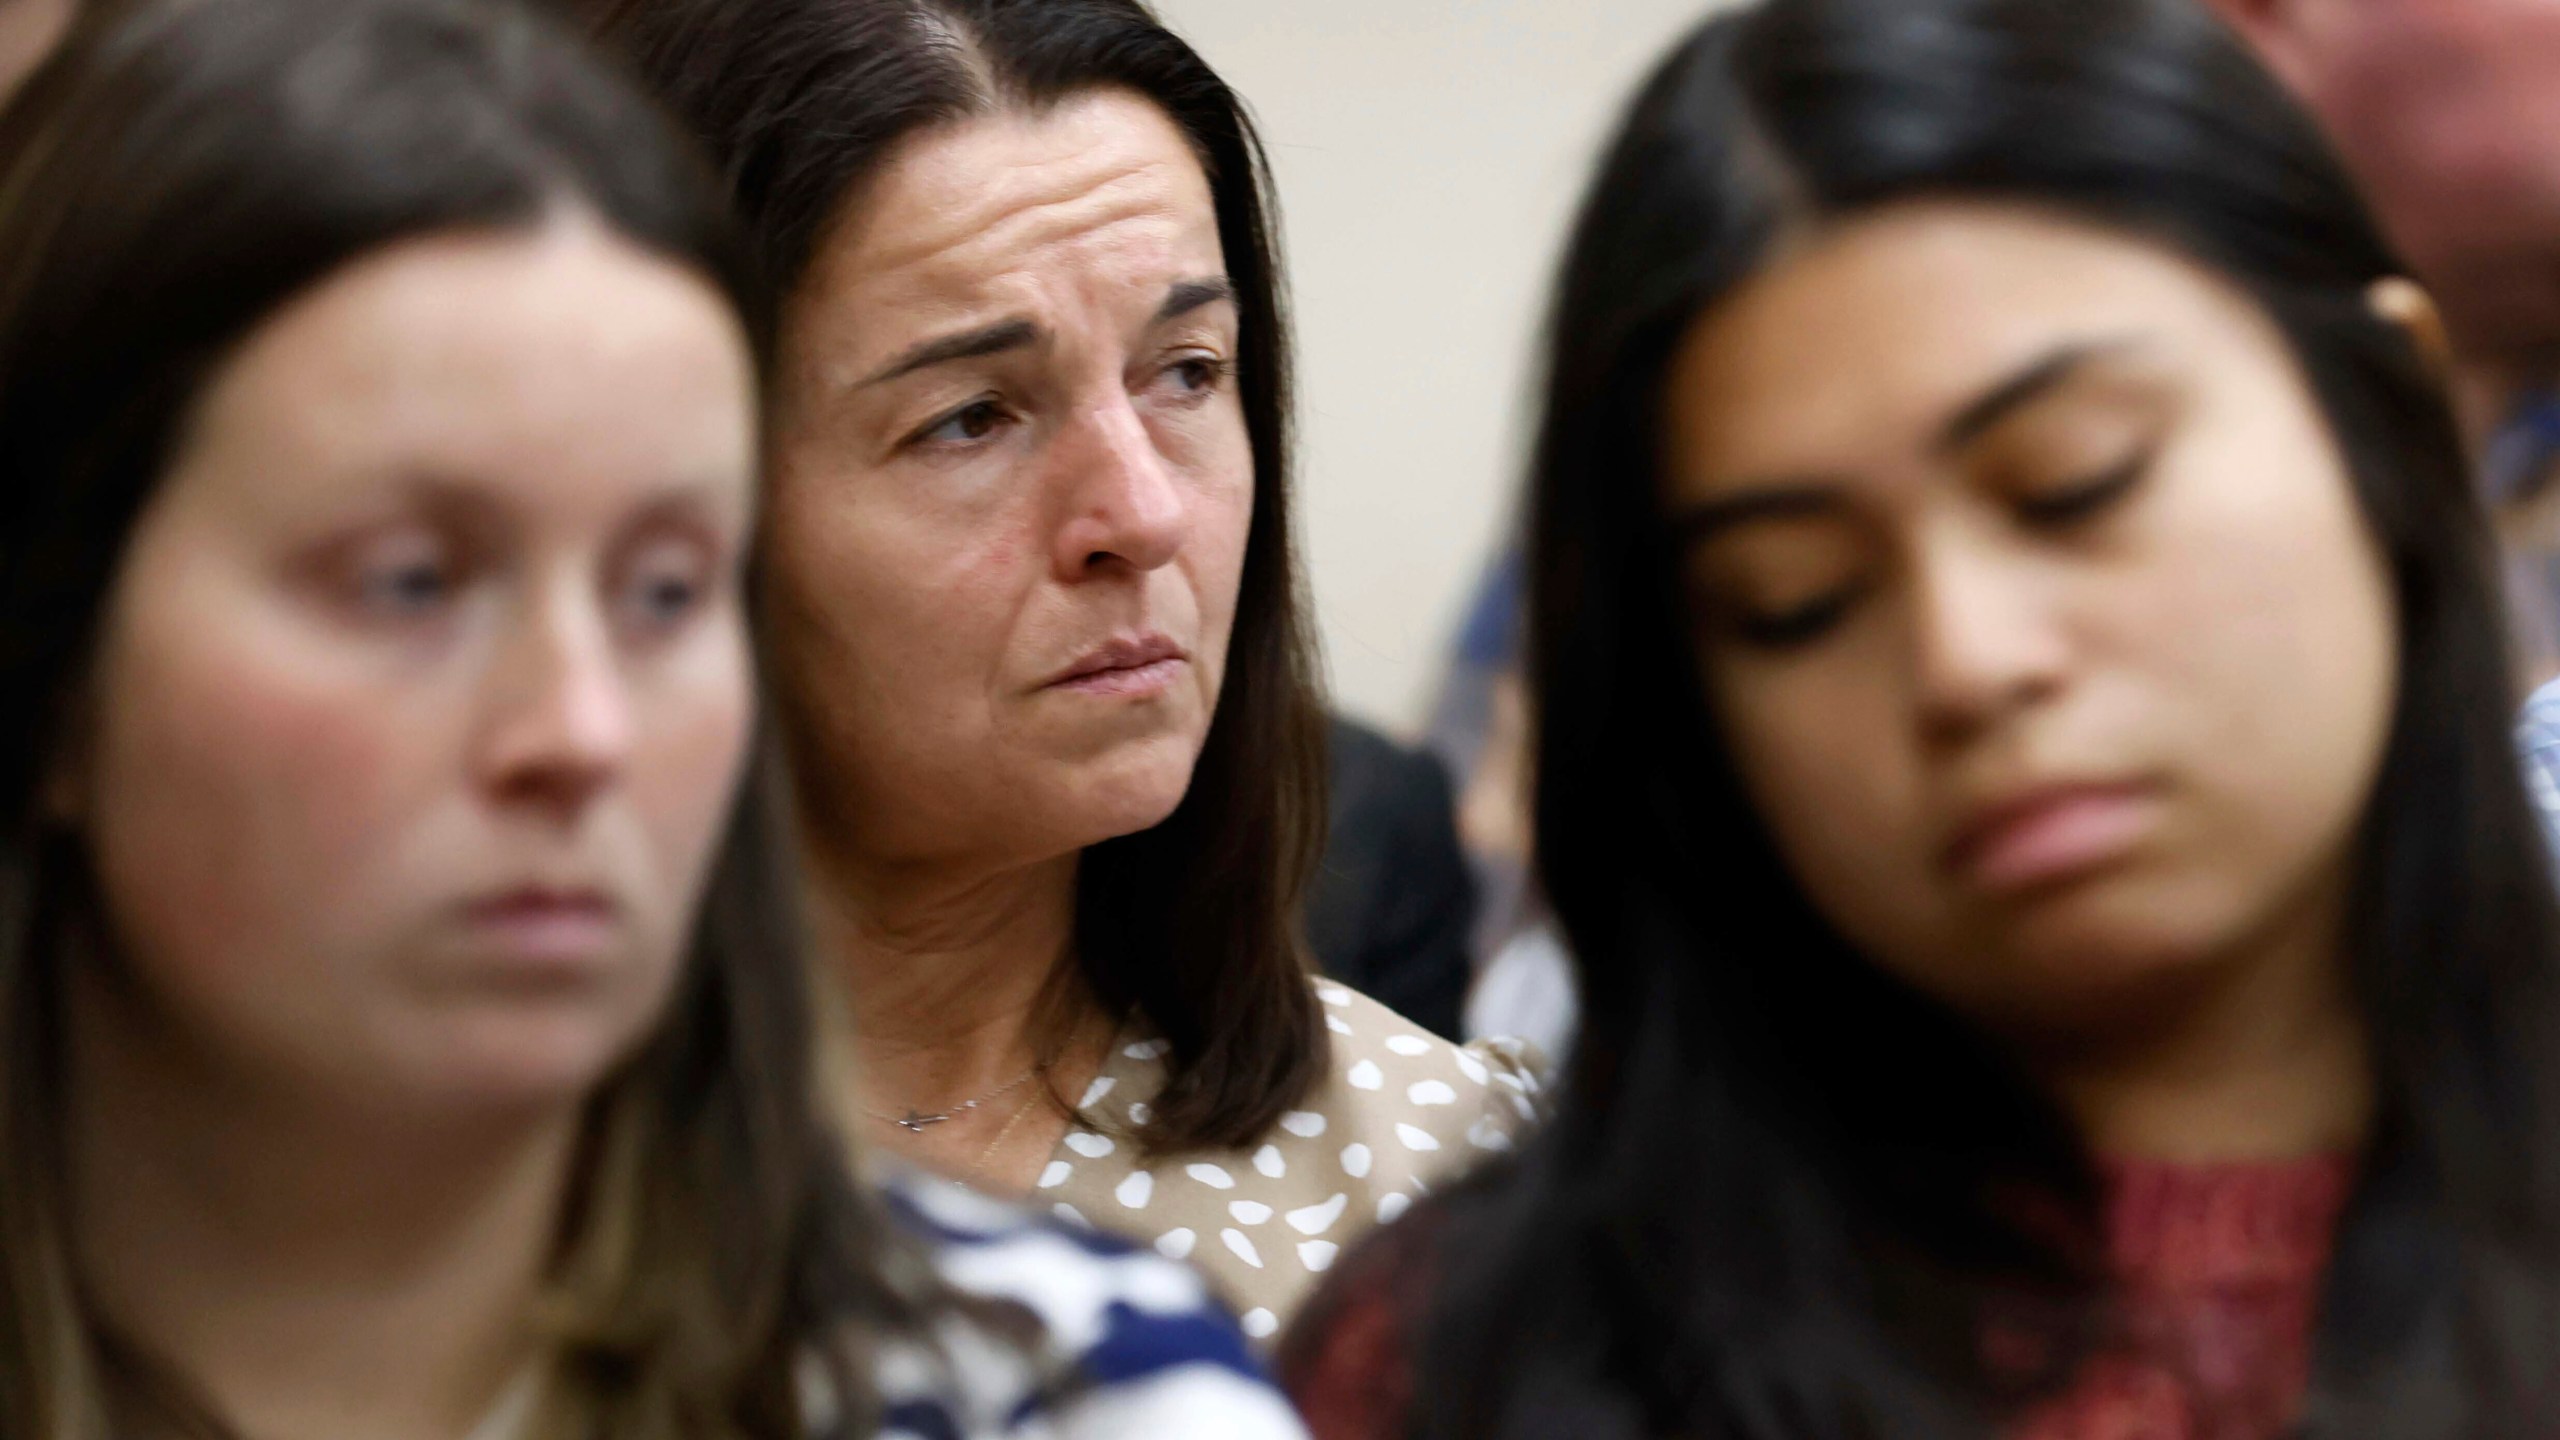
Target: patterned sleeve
<point x="2538" y="743"/>
<point x="1133" y="1345"/>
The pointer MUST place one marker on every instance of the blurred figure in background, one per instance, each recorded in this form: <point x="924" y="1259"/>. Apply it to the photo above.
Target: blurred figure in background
<point x="2023" y="765"/>
<point x="1523" y="981"/>
<point x="1031" y="605"/>
<point x="1391" y="907"/>
<point x="402" y="1026"/>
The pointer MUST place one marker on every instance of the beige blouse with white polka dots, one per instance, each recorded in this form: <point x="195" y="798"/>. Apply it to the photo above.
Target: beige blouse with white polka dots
<point x="1400" y="1110"/>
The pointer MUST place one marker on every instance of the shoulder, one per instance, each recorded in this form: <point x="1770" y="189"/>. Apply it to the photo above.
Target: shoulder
<point x="1391" y="1080"/>
<point x="1127" y="1342"/>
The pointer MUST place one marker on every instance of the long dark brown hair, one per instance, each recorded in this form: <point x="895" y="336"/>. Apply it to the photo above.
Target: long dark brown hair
<point x="1784" y="1191"/>
<point x="176" y="174"/>
<point x="1193" y="923"/>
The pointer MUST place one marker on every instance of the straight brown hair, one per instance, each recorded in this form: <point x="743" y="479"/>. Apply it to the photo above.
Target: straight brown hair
<point x="174" y="176"/>
<point x="1193" y="923"/>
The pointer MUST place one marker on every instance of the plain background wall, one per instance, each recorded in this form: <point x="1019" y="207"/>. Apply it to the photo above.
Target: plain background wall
<point x="1429" y="154"/>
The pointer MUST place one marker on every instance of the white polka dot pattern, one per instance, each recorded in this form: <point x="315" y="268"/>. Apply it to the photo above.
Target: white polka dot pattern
<point x="1397" y="1112"/>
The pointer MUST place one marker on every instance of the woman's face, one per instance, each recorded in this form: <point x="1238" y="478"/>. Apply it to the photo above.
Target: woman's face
<point x="1012" y="485"/>
<point x="423" y="687"/>
<point x="2029" y="587"/>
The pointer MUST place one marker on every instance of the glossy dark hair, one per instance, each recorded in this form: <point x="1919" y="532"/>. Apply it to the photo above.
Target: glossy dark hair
<point x="1783" y="1190"/>
<point x="178" y="173"/>
<point x="1192" y="923"/>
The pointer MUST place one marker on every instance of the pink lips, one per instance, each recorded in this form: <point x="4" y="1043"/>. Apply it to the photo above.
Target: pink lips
<point x="2048" y="836"/>
<point x="547" y="927"/>
<point x="1125" y="666"/>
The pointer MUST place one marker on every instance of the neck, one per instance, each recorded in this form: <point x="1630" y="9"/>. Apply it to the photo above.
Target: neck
<point x="952" y="973"/>
<point x="2265" y="1058"/>
<point x="308" y="1274"/>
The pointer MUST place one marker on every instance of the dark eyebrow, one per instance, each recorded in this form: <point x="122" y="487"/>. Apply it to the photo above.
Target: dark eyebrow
<point x="1797" y="497"/>
<point x="1190" y="295"/>
<point x="1782" y="500"/>
<point x="967" y="345"/>
<point x="2030" y="383"/>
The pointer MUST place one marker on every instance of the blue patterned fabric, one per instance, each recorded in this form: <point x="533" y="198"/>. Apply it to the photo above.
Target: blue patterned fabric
<point x="1133" y="1345"/>
<point x="2538" y="740"/>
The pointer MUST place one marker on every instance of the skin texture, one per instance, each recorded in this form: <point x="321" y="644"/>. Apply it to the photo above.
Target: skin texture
<point x="1917" y="610"/>
<point x="947" y="539"/>
<point x="438" y="603"/>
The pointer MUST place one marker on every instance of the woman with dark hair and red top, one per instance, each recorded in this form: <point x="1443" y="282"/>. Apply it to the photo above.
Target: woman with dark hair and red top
<point x="2022" y="733"/>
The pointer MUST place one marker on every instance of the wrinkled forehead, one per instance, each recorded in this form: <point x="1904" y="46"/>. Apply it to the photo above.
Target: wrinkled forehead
<point x="1098" y="194"/>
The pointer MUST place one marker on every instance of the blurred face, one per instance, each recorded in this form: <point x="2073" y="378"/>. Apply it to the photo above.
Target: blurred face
<point x="2032" y="596"/>
<point x="1012" y="485"/>
<point x="2449" y="111"/>
<point x="424" y="687"/>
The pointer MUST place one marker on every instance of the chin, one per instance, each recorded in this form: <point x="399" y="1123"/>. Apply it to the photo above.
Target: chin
<point x="521" y="1064"/>
<point x="1133" y="791"/>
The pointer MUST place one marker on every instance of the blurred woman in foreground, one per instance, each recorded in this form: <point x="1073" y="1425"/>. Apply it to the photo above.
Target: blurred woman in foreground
<point x="2024" y="766"/>
<point x="401" y="1014"/>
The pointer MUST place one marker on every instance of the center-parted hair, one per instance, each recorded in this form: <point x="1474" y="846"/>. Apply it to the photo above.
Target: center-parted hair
<point x="1192" y="923"/>
<point x="1786" y="1194"/>
<point x="179" y="173"/>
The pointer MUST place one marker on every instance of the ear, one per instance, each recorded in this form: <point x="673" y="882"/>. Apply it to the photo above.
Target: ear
<point x="2405" y="303"/>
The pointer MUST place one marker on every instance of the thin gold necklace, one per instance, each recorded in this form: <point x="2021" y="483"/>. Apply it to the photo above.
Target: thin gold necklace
<point x="916" y="1122"/>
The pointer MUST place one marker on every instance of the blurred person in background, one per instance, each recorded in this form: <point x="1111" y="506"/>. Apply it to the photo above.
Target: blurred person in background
<point x="1032" y="612"/>
<point x="2023" y="764"/>
<point x="402" y="1024"/>
<point x="1391" y="907"/>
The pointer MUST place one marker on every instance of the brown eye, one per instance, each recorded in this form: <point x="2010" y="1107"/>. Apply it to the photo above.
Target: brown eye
<point x="1200" y="374"/>
<point x="971" y="422"/>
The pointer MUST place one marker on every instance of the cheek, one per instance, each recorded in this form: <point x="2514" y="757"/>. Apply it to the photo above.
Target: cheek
<point x="696" y="718"/>
<point x="1821" y="756"/>
<point x="1223" y="534"/>
<point x="889" y="616"/>
<point x="2274" y="634"/>
<point x="242" y="808"/>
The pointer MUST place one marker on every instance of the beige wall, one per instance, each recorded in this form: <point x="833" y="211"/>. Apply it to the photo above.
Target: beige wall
<point x="1428" y="154"/>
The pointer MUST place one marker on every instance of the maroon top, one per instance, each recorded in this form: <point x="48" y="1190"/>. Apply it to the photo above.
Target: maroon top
<point x="2218" y="1270"/>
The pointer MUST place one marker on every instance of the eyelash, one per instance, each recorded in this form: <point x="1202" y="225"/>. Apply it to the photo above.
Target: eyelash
<point x="926" y="435"/>
<point x="1212" y="374"/>
<point x="1806" y="623"/>
<point x="2088" y="498"/>
<point x="1213" y="371"/>
<point x="1798" y="627"/>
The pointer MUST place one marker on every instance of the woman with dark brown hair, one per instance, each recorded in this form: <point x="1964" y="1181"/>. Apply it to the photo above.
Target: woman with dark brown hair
<point x="1033" y="619"/>
<point x="402" y="1028"/>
